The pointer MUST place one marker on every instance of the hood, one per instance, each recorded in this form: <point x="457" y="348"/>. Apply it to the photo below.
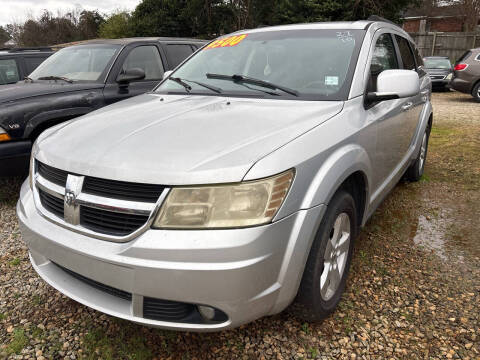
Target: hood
<point x="24" y="89"/>
<point x="179" y="140"/>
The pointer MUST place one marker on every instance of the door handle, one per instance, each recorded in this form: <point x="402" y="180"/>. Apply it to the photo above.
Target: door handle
<point x="407" y="106"/>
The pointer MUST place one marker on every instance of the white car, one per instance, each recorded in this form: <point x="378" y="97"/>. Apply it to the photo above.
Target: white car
<point x="236" y="187"/>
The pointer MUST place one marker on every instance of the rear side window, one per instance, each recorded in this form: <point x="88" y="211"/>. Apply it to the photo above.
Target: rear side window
<point x="8" y="71"/>
<point x="32" y="63"/>
<point x="384" y="58"/>
<point x="177" y="53"/>
<point x="406" y="53"/>
<point x="464" y="57"/>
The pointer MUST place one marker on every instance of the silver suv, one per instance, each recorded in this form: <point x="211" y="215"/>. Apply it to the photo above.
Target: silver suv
<point x="236" y="187"/>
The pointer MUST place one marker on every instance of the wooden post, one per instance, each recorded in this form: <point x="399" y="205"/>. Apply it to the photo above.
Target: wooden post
<point x="433" y="42"/>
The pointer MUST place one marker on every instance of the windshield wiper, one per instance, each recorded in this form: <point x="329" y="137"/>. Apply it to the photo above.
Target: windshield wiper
<point x="187" y="87"/>
<point x="210" y="87"/>
<point x="253" y="81"/>
<point x="28" y="78"/>
<point x="53" y="77"/>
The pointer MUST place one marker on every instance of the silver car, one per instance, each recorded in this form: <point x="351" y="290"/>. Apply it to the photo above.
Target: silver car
<point x="238" y="186"/>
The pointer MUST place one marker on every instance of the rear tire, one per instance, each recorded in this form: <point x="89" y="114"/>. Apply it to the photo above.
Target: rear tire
<point x="476" y="92"/>
<point x="326" y="271"/>
<point x="415" y="171"/>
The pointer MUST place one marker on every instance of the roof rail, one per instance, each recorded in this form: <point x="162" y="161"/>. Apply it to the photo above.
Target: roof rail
<point x="39" y="48"/>
<point x="379" y="18"/>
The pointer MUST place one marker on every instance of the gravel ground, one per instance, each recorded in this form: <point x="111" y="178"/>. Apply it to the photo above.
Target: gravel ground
<point x="413" y="291"/>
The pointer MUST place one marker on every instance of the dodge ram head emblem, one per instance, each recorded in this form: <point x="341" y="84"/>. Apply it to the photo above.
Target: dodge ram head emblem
<point x="69" y="198"/>
<point x="71" y="210"/>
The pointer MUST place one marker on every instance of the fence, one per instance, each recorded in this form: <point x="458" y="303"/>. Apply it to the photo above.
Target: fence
<point x="452" y="45"/>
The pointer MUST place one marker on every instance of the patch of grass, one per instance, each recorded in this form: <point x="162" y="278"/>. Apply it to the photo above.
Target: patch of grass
<point x="37" y="300"/>
<point x="381" y="270"/>
<point x="3" y="316"/>
<point x="453" y="155"/>
<point x="425" y="178"/>
<point x="15" y="262"/>
<point x="38" y="333"/>
<point x="240" y="346"/>
<point x="97" y="344"/>
<point x="19" y="341"/>
<point x="313" y="352"/>
<point x="305" y="328"/>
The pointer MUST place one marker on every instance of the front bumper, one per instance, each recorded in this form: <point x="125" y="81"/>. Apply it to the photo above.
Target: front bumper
<point x="14" y="157"/>
<point x="440" y="83"/>
<point x="246" y="273"/>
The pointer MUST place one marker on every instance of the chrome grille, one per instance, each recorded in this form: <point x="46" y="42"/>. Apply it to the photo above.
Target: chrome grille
<point x="110" y="222"/>
<point x="121" y="189"/>
<point x="56" y="176"/>
<point x="102" y="208"/>
<point x="51" y="203"/>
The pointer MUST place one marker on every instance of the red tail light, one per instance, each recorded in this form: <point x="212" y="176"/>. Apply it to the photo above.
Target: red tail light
<point x="460" y="67"/>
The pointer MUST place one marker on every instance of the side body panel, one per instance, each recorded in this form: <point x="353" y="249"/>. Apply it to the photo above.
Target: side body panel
<point x="347" y="143"/>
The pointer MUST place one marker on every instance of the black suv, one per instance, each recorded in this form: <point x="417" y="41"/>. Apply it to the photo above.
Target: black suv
<point x="15" y="64"/>
<point x="77" y="80"/>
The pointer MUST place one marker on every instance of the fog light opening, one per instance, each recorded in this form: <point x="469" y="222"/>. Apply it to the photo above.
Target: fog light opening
<point x="207" y="312"/>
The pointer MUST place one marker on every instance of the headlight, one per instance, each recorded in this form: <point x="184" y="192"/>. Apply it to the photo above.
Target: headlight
<point x="30" y="173"/>
<point x="449" y="76"/>
<point x="224" y="206"/>
<point x="3" y="135"/>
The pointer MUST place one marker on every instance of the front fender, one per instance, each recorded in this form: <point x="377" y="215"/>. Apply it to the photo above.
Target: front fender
<point x="27" y="114"/>
<point x="334" y="171"/>
<point x="48" y="116"/>
<point x="425" y="116"/>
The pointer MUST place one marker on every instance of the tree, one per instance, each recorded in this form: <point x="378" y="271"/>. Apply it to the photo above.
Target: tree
<point x="89" y="24"/>
<point x="116" y="26"/>
<point x="4" y="36"/>
<point x="161" y="18"/>
<point x="14" y="31"/>
<point x="470" y="9"/>
<point x="48" y="30"/>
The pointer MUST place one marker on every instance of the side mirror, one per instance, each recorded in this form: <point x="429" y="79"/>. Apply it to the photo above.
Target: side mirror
<point x="166" y="74"/>
<point x="129" y="75"/>
<point x="395" y="84"/>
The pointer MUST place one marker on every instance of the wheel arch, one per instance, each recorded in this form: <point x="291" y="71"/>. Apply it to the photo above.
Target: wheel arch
<point x="44" y="120"/>
<point x="348" y="168"/>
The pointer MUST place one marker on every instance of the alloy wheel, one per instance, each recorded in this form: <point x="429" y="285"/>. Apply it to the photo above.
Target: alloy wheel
<point x="335" y="257"/>
<point x="423" y="153"/>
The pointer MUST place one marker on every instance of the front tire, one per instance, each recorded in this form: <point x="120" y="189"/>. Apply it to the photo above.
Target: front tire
<point x="326" y="271"/>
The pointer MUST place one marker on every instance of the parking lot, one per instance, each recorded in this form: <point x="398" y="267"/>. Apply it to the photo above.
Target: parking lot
<point x="413" y="291"/>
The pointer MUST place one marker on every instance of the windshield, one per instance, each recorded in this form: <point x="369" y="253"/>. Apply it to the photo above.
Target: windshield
<point x="308" y="64"/>
<point x="82" y="62"/>
<point x="437" y="63"/>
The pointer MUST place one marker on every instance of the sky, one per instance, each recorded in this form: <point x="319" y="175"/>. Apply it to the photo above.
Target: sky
<point x="20" y="10"/>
